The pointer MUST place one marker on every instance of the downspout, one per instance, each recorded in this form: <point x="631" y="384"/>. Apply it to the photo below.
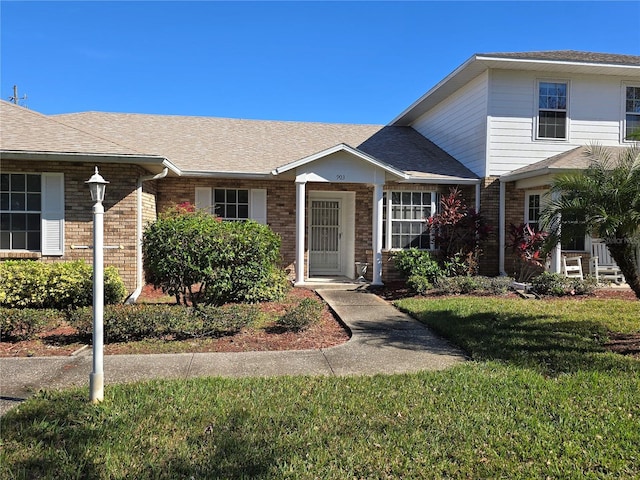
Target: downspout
<point x="139" y="274"/>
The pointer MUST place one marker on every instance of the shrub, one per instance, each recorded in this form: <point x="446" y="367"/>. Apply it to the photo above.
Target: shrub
<point x="419" y="284"/>
<point x="60" y="285"/>
<point x="555" y="284"/>
<point x="126" y="323"/>
<point x="302" y="316"/>
<point x="225" y="320"/>
<point x="414" y="262"/>
<point x="25" y="324"/>
<point x="474" y="285"/>
<point x="459" y="232"/>
<point x="196" y="257"/>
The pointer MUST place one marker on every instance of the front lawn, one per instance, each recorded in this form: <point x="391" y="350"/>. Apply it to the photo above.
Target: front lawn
<point x="551" y="336"/>
<point x="543" y="399"/>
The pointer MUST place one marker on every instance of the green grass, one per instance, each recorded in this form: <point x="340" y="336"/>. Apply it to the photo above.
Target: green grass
<point x="551" y="336"/>
<point x="514" y="416"/>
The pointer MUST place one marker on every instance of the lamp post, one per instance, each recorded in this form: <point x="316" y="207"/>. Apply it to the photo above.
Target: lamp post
<point x="97" y="186"/>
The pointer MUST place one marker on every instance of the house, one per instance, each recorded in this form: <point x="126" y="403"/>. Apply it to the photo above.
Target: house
<point x="517" y="119"/>
<point x="498" y="128"/>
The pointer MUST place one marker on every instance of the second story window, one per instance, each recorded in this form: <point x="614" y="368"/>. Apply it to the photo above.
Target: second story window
<point x="632" y="114"/>
<point x="552" y="110"/>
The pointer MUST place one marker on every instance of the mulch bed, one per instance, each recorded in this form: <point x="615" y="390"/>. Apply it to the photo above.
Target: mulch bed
<point x="63" y="341"/>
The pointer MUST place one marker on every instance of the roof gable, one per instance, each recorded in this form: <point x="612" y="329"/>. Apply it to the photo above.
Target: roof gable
<point x="368" y="159"/>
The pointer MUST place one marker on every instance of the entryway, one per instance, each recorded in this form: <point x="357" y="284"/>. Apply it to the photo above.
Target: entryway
<point x="331" y="233"/>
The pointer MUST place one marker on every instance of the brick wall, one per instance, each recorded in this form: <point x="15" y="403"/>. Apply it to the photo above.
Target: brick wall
<point x="120" y="211"/>
<point x="490" y="210"/>
<point x="119" y="219"/>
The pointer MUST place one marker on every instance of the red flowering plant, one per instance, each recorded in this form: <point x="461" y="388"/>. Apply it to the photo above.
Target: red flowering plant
<point x="531" y="248"/>
<point x="459" y="232"/>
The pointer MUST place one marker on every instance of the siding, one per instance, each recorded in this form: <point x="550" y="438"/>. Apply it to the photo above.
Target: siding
<point x="595" y="114"/>
<point x="458" y="124"/>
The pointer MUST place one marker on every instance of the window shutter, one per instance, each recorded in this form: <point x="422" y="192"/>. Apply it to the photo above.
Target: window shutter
<point x="52" y="214"/>
<point x="203" y="199"/>
<point x="258" y="205"/>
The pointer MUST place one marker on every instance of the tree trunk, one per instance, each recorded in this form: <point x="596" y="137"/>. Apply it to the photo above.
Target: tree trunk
<point x="624" y="255"/>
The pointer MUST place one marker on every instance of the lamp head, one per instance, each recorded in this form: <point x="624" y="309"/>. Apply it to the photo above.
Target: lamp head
<point x="97" y="186"/>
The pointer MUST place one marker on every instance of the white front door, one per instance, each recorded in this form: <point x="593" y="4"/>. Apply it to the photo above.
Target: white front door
<point x="325" y="235"/>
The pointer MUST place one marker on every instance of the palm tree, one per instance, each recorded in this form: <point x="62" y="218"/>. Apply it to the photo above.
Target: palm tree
<point x="607" y="197"/>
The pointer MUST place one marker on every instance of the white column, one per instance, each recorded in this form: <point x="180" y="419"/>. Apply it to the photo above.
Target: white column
<point x="300" y="230"/>
<point x="556" y="253"/>
<point x="377" y="234"/>
<point x="501" y="228"/>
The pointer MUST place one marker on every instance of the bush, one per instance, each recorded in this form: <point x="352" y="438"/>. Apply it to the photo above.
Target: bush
<point x="414" y="262"/>
<point x="302" y="316"/>
<point x="196" y="257"/>
<point x="419" y="284"/>
<point x="555" y="284"/>
<point x="60" y="285"/>
<point x="25" y="324"/>
<point x="474" y="285"/>
<point x="126" y="323"/>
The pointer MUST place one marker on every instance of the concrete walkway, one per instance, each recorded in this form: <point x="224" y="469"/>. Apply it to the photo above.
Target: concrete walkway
<point x="383" y="340"/>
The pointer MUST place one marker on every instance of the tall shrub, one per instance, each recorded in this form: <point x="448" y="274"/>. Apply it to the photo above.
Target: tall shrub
<point x="196" y="257"/>
<point x="459" y="232"/>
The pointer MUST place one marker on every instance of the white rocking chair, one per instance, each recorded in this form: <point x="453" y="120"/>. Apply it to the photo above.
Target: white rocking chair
<point x="602" y="265"/>
<point x="572" y="267"/>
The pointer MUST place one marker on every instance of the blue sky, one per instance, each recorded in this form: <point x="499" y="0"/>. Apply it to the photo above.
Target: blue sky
<point x="345" y="62"/>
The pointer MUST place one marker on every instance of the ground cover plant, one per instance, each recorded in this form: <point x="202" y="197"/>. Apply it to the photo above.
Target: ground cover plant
<point x="157" y="325"/>
<point x="542" y="399"/>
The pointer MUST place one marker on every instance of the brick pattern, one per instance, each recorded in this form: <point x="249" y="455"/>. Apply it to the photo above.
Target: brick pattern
<point x="119" y="219"/>
<point x="514" y="214"/>
<point x="158" y="195"/>
<point x="490" y="209"/>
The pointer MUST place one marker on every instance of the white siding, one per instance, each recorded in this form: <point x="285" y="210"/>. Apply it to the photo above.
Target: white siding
<point x="458" y="124"/>
<point x="595" y="113"/>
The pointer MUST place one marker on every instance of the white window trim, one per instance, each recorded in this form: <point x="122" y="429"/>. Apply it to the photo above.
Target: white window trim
<point x="623" y="111"/>
<point x="52" y="214"/>
<point x="536" y="99"/>
<point x="543" y="202"/>
<point x="257" y="201"/>
<point x="388" y="221"/>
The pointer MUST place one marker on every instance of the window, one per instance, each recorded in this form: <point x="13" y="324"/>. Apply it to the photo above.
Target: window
<point x="552" y="110"/>
<point x="20" y="211"/>
<point x="632" y="113"/>
<point x="572" y="233"/>
<point x="533" y="209"/>
<point x="231" y="204"/>
<point x="405" y="217"/>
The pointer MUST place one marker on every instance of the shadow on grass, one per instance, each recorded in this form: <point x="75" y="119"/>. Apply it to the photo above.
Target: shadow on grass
<point x="74" y="439"/>
<point x="533" y="341"/>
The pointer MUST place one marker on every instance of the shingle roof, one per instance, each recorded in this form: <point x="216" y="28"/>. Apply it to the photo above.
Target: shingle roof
<point x="569" y="56"/>
<point x="574" y="159"/>
<point x="223" y="145"/>
<point x="24" y="130"/>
